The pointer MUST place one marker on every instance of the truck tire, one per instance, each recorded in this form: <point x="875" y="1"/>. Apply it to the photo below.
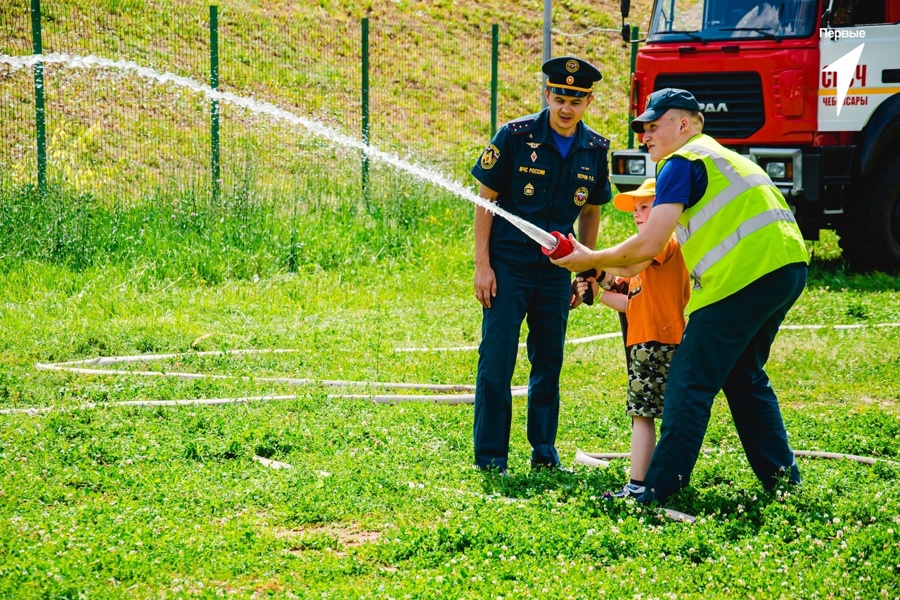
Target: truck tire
<point x="871" y="241"/>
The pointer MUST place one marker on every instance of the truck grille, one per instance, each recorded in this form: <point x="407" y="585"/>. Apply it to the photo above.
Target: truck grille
<point x="741" y="93"/>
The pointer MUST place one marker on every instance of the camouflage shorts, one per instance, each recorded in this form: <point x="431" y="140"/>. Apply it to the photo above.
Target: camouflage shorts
<point x="647" y="378"/>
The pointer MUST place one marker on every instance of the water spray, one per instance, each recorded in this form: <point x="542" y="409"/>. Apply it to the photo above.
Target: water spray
<point x="554" y="245"/>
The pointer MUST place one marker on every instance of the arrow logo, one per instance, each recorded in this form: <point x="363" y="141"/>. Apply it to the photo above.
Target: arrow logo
<point x="844" y="68"/>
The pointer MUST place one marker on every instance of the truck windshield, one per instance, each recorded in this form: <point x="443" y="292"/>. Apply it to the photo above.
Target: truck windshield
<point x="719" y="20"/>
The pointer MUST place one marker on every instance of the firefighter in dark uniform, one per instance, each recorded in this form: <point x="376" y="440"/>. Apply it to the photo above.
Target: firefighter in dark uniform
<point x="549" y="169"/>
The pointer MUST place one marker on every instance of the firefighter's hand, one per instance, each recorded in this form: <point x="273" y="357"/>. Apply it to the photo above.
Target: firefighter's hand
<point x="485" y="285"/>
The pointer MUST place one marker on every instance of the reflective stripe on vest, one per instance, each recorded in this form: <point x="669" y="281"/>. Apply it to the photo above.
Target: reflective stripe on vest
<point x="737" y="185"/>
<point x="746" y="228"/>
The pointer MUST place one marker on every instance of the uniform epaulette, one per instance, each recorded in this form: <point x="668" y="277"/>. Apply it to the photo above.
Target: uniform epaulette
<point x="522" y="125"/>
<point x="599" y="140"/>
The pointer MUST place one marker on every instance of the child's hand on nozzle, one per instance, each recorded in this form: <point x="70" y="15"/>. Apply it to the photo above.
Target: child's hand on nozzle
<point x="584" y="290"/>
<point x="585" y="284"/>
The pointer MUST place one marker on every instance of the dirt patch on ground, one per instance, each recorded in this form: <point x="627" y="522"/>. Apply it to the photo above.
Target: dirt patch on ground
<point x="346" y="536"/>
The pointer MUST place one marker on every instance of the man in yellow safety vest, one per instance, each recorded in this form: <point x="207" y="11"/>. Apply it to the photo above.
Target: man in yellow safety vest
<point x="748" y="263"/>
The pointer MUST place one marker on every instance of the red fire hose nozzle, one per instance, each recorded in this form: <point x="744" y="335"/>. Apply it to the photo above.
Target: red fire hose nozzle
<point x="562" y="248"/>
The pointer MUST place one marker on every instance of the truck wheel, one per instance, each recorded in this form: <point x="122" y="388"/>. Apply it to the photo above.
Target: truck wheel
<point x="872" y="240"/>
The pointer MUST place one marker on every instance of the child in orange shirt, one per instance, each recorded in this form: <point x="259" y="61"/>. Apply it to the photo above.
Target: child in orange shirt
<point x="658" y="291"/>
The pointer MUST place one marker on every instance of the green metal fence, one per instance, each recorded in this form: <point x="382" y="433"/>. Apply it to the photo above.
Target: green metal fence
<point x="111" y="134"/>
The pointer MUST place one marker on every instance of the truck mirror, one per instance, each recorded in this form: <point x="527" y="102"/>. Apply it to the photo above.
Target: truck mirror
<point x="826" y="19"/>
<point x="626" y="33"/>
<point x="626" y="6"/>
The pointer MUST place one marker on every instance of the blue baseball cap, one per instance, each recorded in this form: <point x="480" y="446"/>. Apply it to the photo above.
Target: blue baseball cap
<point x="662" y="100"/>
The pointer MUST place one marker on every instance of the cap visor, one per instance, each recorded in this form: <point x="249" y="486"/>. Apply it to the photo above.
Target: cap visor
<point x="567" y="91"/>
<point x="647" y="116"/>
<point x="624" y="202"/>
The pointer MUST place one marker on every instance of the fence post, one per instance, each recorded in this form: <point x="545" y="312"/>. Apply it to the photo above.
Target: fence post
<point x="547" y="53"/>
<point x="214" y="104"/>
<point x="39" y="112"/>
<point x="365" y="108"/>
<point x="631" y="98"/>
<point x="495" y="59"/>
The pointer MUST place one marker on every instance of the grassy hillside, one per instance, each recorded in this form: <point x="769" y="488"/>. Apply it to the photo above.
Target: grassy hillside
<point x="124" y="151"/>
<point x="429" y="74"/>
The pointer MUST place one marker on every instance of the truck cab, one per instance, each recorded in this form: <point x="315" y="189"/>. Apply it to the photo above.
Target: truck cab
<point x="808" y="89"/>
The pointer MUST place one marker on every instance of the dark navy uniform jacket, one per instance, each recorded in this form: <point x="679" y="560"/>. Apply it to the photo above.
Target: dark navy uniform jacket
<point x="524" y="166"/>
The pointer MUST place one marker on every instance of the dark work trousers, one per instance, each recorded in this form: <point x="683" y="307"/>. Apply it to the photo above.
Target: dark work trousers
<point x="540" y="290"/>
<point x="725" y="347"/>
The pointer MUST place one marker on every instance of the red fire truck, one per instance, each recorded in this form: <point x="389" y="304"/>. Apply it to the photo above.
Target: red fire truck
<point x="809" y="89"/>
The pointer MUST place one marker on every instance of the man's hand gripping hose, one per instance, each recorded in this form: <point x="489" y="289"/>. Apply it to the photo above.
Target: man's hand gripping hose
<point x="562" y="248"/>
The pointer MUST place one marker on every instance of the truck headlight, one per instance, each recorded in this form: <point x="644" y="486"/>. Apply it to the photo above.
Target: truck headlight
<point x="777" y="169"/>
<point x="635" y="166"/>
<point x="784" y="166"/>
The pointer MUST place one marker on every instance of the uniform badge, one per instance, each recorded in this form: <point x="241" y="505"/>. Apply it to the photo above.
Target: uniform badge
<point x="533" y="145"/>
<point x="570" y="80"/>
<point x="489" y="157"/>
<point x="533" y="156"/>
<point x="529" y="190"/>
<point x="571" y="66"/>
<point x="581" y="195"/>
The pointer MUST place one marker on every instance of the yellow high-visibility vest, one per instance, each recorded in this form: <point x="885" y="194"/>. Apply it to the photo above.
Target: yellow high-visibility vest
<point x="740" y="230"/>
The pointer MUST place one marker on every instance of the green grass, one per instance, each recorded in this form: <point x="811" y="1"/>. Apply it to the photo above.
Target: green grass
<point x="323" y="224"/>
<point x="125" y="502"/>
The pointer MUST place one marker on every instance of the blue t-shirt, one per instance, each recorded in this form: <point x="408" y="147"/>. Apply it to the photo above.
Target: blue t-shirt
<point x="563" y="143"/>
<point x="681" y="181"/>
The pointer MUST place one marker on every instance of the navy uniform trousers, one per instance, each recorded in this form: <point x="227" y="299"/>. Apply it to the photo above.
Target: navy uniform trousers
<point x="725" y="347"/>
<point x="534" y="289"/>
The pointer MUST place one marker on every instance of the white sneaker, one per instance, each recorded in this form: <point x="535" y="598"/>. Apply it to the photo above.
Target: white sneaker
<point x="629" y="490"/>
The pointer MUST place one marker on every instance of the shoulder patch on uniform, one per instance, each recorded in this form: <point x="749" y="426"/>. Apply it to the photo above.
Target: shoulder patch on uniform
<point x="599" y="140"/>
<point x="489" y="157"/>
<point x="522" y="125"/>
